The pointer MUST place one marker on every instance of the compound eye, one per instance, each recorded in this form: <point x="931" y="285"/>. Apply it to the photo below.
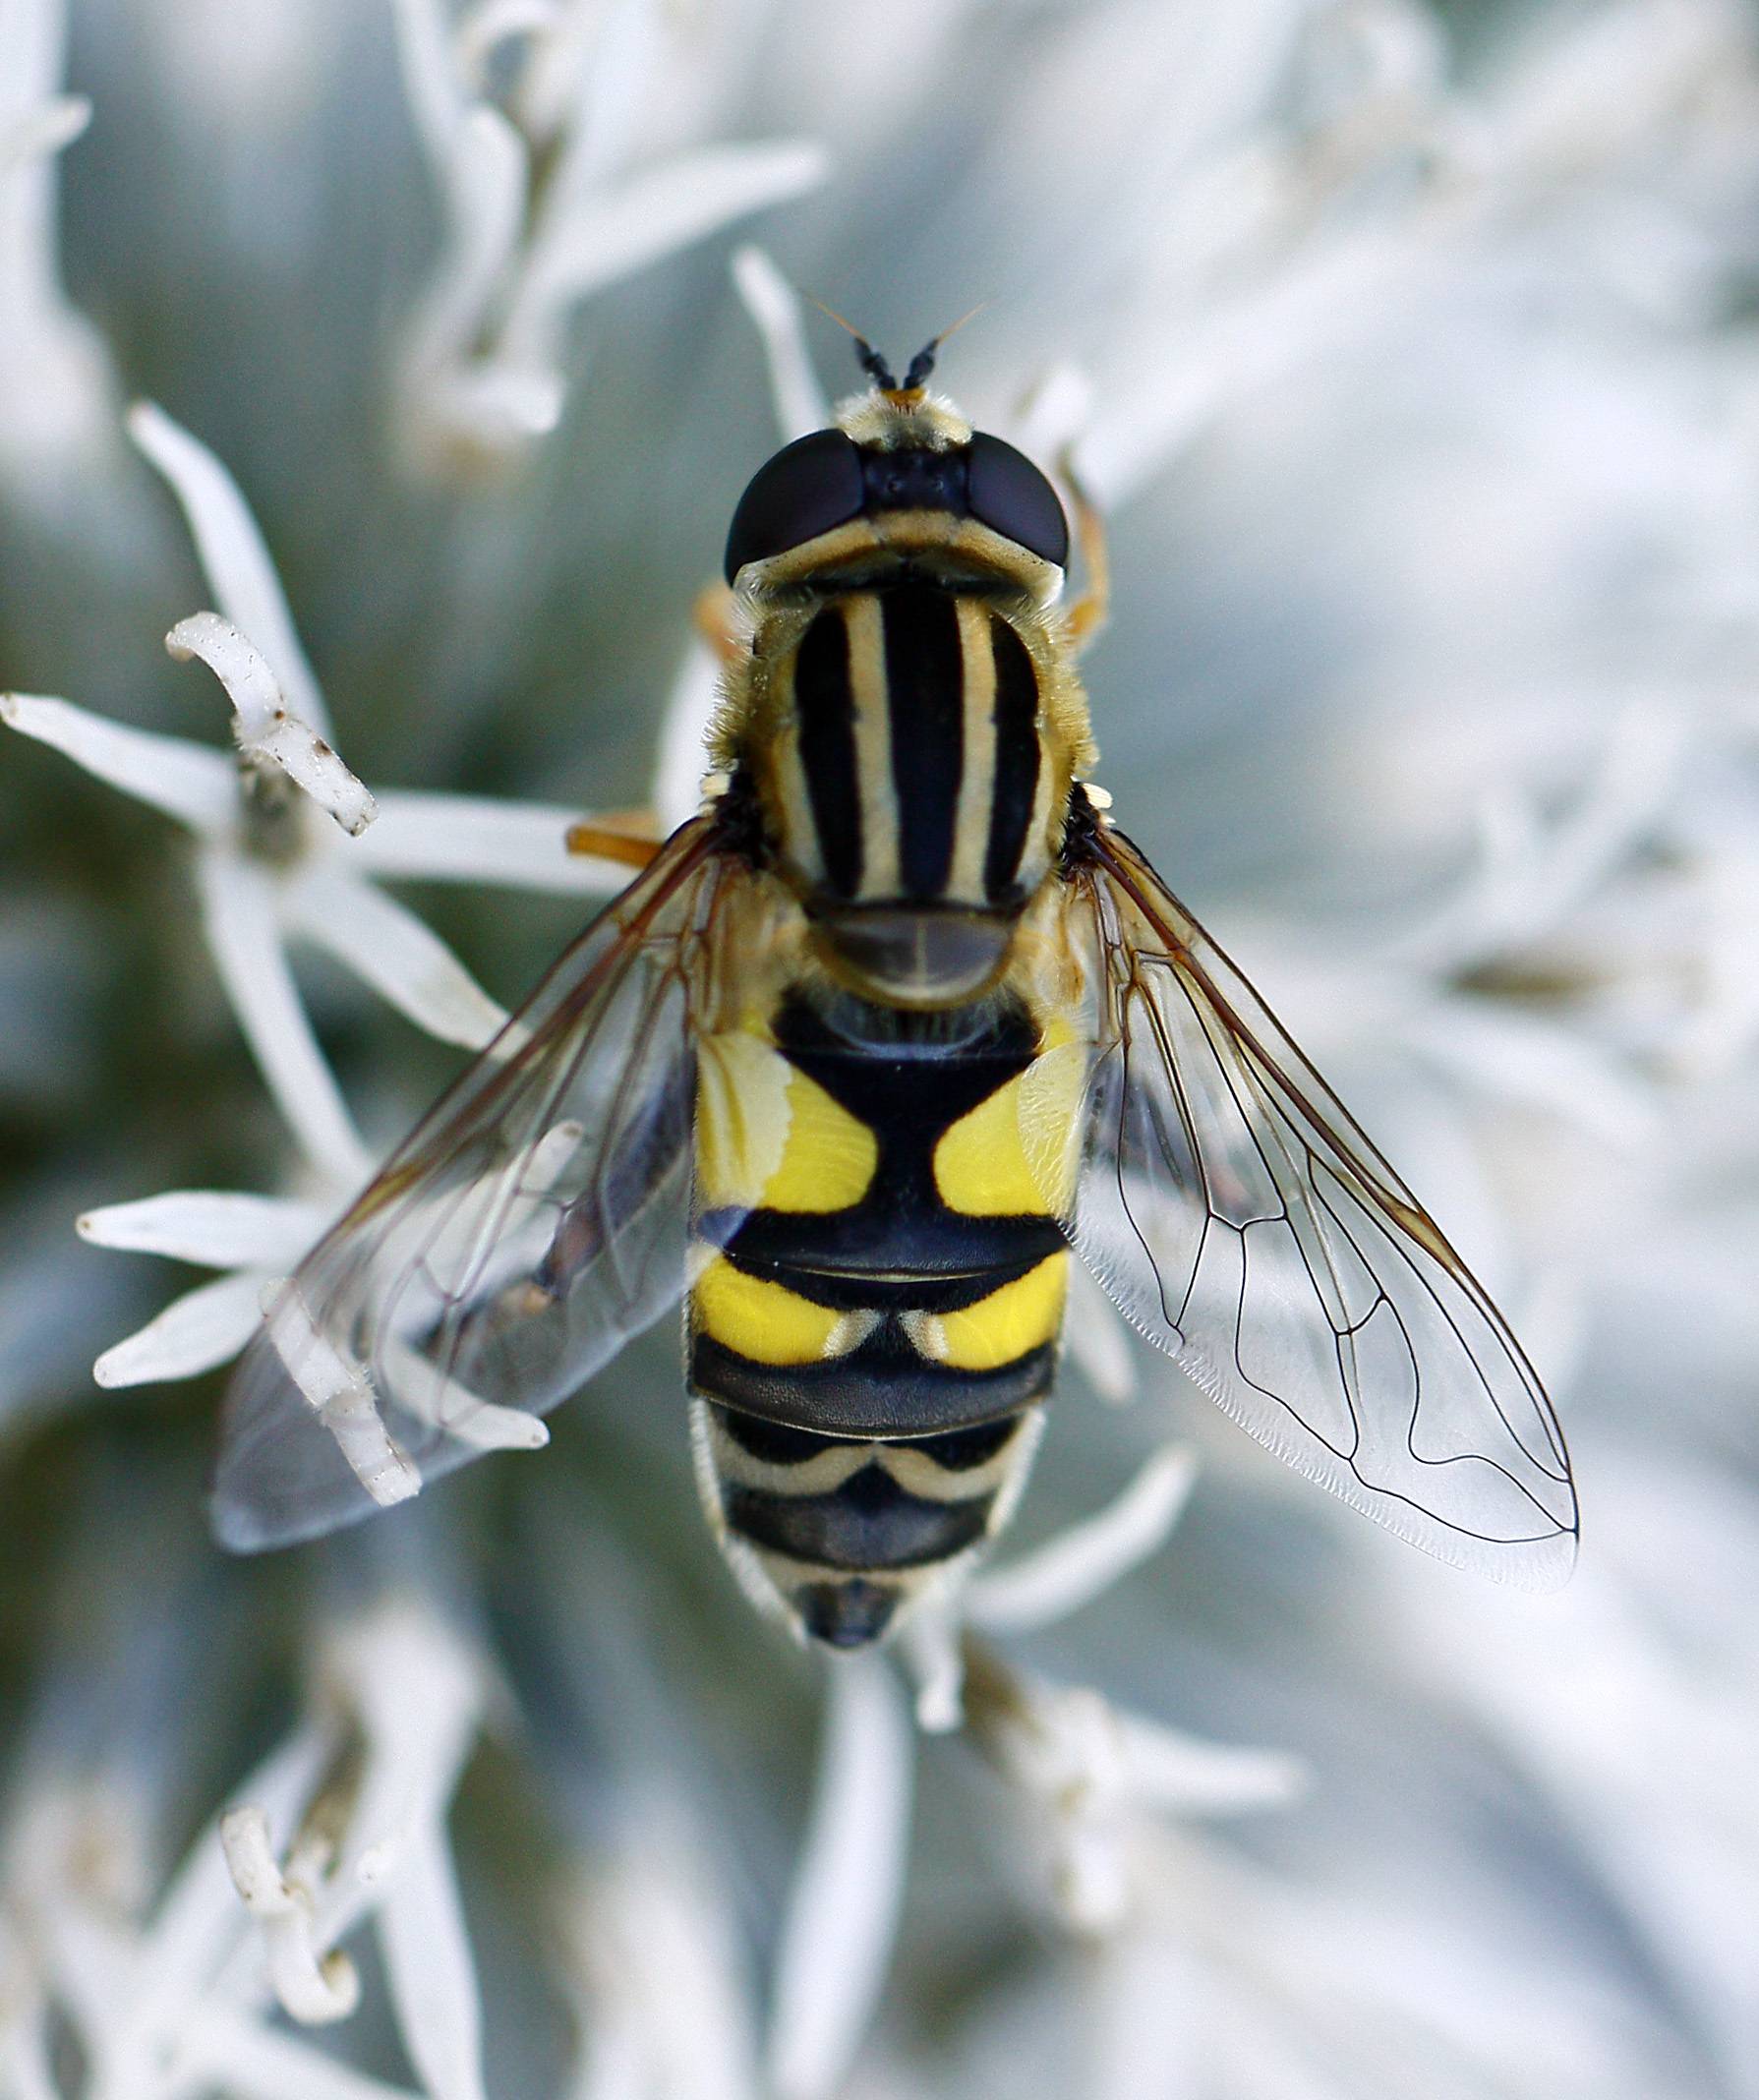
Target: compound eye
<point x="807" y="488"/>
<point x="1010" y="495"/>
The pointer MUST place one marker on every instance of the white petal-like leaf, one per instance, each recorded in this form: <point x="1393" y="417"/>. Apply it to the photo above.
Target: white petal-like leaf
<point x="238" y="905"/>
<point x="198" y="787"/>
<point x="219" y="1228"/>
<point x="459" y="838"/>
<point x="843" y="1913"/>
<point x="266" y="730"/>
<point x="394" y="952"/>
<point x="204" y="1327"/>
<point x="232" y="552"/>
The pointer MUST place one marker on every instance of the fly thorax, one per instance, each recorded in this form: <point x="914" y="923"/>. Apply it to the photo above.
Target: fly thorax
<point x="912" y="786"/>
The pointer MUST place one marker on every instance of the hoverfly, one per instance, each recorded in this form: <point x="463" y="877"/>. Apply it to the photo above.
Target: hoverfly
<point x="869" y="1048"/>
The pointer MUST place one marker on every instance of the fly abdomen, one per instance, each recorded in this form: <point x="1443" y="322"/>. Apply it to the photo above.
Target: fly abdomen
<point x="878" y="1298"/>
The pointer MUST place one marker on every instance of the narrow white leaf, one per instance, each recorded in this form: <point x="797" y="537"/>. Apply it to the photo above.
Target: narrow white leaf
<point x="1099" y="1338"/>
<point x="197" y="1923"/>
<point x="232" y="552"/>
<point x="206" y="1327"/>
<point x="929" y="1646"/>
<point x="1165" y="1769"/>
<point x="431" y="82"/>
<point x="431" y="1971"/>
<point x="1054" y="414"/>
<point x="339" y="1392"/>
<point x="456" y="837"/>
<point x="264" y="727"/>
<point x="239" y="2056"/>
<point x="198" y="787"/>
<point x="424" y="1389"/>
<point x="219" y="1228"/>
<point x="485" y="175"/>
<point x="684" y="737"/>
<point x="1083" y="1561"/>
<point x="774" y="309"/>
<point x="24" y="2052"/>
<point x="604" y="236"/>
<point x="394" y="952"/>
<point x="238" y="907"/>
<point x="48" y="128"/>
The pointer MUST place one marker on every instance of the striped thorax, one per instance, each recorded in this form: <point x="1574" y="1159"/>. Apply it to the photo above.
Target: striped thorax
<point x="907" y="717"/>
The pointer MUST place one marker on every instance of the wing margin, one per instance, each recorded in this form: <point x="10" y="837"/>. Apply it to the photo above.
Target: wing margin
<point x="1245" y="1224"/>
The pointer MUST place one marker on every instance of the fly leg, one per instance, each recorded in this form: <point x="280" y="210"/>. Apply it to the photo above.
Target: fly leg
<point x="1087" y="616"/>
<point x="625" y="836"/>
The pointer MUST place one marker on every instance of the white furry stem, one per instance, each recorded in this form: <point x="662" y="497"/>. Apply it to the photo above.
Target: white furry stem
<point x="340" y="1394"/>
<point x="313" y="1988"/>
<point x="266" y="731"/>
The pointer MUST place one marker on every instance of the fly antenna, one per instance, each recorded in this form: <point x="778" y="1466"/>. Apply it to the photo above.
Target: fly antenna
<point x="922" y="364"/>
<point x="876" y="365"/>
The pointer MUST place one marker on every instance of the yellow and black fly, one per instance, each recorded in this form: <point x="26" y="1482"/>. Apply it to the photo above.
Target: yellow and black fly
<point x="863" y="1051"/>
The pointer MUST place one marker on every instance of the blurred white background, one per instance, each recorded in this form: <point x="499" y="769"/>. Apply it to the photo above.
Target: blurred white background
<point x="1410" y="352"/>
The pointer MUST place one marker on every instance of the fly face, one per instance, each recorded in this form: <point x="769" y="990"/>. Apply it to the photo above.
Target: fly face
<point x="912" y="726"/>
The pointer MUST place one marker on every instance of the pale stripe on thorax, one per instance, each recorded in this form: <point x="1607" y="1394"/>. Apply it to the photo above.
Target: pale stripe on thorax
<point x="970" y="835"/>
<point x="873" y="745"/>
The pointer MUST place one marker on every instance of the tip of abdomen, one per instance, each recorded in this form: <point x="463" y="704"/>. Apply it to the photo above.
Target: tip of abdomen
<point x="845" y="1614"/>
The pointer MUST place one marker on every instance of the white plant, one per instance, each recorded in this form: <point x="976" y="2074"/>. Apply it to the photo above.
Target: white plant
<point x="1418" y="385"/>
<point x="345" y="1822"/>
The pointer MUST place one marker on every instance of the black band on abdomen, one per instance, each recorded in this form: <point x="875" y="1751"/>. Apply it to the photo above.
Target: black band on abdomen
<point x="876" y="1392"/>
<point x="868" y="1523"/>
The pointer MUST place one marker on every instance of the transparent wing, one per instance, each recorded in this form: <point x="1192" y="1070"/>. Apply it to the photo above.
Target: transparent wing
<point x="532" y="1223"/>
<point x="1242" y="1221"/>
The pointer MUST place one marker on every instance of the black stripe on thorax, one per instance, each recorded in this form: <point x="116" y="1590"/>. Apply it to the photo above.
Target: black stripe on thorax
<point x="825" y="710"/>
<point x="1016" y="783"/>
<point x="926" y="702"/>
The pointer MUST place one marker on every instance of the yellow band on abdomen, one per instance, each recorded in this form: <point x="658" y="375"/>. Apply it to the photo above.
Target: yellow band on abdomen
<point x="1014" y="1154"/>
<point x="767" y="1136"/>
<point x="766" y="1322"/>
<point x="1021" y="1317"/>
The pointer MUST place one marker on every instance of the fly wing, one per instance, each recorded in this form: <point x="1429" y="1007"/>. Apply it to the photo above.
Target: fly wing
<point x="530" y="1225"/>
<point x="1243" y="1222"/>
